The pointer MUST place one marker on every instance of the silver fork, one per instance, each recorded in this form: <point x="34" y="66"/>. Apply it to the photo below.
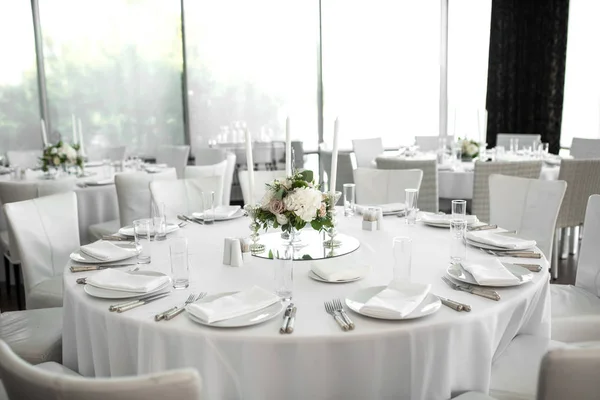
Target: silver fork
<point x="339" y="308"/>
<point x="331" y="311"/>
<point x="191" y="298"/>
<point x="179" y="310"/>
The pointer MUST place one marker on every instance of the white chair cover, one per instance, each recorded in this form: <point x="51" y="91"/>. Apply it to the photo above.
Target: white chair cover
<point x="525" y="139"/>
<point x="209" y="156"/>
<point x="583" y="180"/>
<point x="184" y="196"/>
<point x="588" y="266"/>
<point x="220" y="170"/>
<point x="366" y="150"/>
<point x="345" y="168"/>
<point x="53" y="382"/>
<point x="585" y="148"/>
<point x="24" y="158"/>
<point x="116" y="153"/>
<point x="46" y="231"/>
<point x="379" y="186"/>
<point x="261" y="178"/>
<point x="174" y="156"/>
<point x="529" y="206"/>
<point x="432" y="143"/>
<point x="228" y="179"/>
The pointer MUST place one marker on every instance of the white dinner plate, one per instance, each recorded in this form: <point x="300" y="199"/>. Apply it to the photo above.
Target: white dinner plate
<point x="101" y="182"/>
<point x="80" y="257"/>
<point x="316" y="277"/>
<point x="239" y="213"/>
<point x="357" y="300"/>
<point x="121" y="294"/>
<point x="443" y="223"/>
<point x="491" y="247"/>
<point x="457" y="272"/>
<point x="128" y="230"/>
<point x="94" y="164"/>
<point x="253" y="318"/>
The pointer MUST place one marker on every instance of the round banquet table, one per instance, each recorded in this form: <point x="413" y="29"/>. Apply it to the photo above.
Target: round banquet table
<point x="429" y="358"/>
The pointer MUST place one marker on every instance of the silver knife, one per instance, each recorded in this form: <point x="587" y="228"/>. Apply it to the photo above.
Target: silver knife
<point x="456" y="306"/>
<point x="85" y="268"/>
<point x="142" y="302"/>
<point x="482" y="228"/>
<point x="127" y="303"/>
<point x="291" y="321"/>
<point x="487" y="293"/>
<point x="531" y="267"/>
<point x="286" y="318"/>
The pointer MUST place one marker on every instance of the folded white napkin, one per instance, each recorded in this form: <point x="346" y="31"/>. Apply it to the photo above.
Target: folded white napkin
<point x="235" y="305"/>
<point x="221" y="212"/>
<point x="491" y="273"/>
<point x="398" y="300"/>
<point x="499" y="240"/>
<point x="101" y="182"/>
<point x="118" y="280"/>
<point x="444" y="219"/>
<point x="338" y="269"/>
<point x="385" y="208"/>
<point x="104" y="250"/>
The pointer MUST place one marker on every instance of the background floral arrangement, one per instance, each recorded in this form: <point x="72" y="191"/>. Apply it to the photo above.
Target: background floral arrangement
<point x="470" y="148"/>
<point x="293" y="203"/>
<point x="61" y="154"/>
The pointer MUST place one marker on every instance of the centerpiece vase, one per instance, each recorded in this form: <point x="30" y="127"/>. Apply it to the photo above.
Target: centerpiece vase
<point x="332" y="232"/>
<point x="254" y="226"/>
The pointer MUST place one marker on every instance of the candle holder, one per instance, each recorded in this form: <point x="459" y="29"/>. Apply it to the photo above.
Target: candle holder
<point x="332" y="232"/>
<point x="254" y="226"/>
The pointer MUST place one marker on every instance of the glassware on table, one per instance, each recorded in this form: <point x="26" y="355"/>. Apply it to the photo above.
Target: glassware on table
<point x="457" y="154"/>
<point x="514" y="145"/>
<point x="16" y="173"/>
<point x="107" y="168"/>
<point x="255" y="247"/>
<point x="332" y="232"/>
<point x="459" y="209"/>
<point x="142" y="230"/>
<point x="499" y="153"/>
<point x="402" y="250"/>
<point x="180" y="270"/>
<point x="284" y="272"/>
<point x="458" y="246"/>
<point x="208" y="206"/>
<point x="410" y="204"/>
<point x="159" y="221"/>
<point x="349" y="193"/>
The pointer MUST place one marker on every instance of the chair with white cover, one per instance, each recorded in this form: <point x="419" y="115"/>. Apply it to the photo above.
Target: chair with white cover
<point x="298" y="149"/>
<point x="204" y="171"/>
<point x="262" y="155"/>
<point x="209" y="156"/>
<point x="23" y="158"/>
<point x="261" y="178"/>
<point x="585" y="148"/>
<point x="385" y="186"/>
<point x="115" y="154"/>
<point x="366" y="150"/>
<point x="52" y="381"/>
<point x="174" y="156"/>
<point x="483" y="170"/>
<point x="185" y="196"/>
<point x="345" y="168"/>
<point x="576" y="309"/>
<point x="428" y="194"/>
<point x="432" y="143"/>
<point x="46" y="231"/>
<point x="525" y="139"/>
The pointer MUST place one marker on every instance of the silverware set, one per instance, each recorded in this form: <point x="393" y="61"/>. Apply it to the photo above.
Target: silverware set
<point x="129" y="305"/>
<point x="455" y="305"/>
<point x="514" y="253"/>
<point x="83" y="281"/>
<point x="175" y="311"/>
<point x="116" y="238"/>
<point x="487" y="293"/>
<point x="482" y="228"/>
<point x="336" y="310"/>
<point x="96" y="267"/>
<point x="289" y="318"/>
<point x="187" y="219"/>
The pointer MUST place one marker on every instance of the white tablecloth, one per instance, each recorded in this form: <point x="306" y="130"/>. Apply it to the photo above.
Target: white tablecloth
<point x="428" y="358"/>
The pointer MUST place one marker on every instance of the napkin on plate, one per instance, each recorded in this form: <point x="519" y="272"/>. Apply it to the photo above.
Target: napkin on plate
<point x="104" y="250"/>
<point x="444" y="219"/>
<point x="338" y="269"/>
<point x="221" y="212"/>
<point x="235" y="305"/>
<point x="499" y="240"/>
<point x="118" y="280"/>
<point x="101" y="182"/>
<point x="398" y="300"/>
<point x="493" y="272"/>
<point x="385" y="208"/>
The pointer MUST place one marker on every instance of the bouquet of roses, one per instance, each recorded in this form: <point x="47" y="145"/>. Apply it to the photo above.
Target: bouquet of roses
<point x="470" y="148"/>
<point x="61" y="155"/>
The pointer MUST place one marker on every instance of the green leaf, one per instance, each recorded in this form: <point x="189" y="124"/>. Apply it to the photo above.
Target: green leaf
<point x="271" y="254"/>
<point x="307" y="175"/>
<point x="307" y="257"/>
<point x="316" y="225"/>
<point x="279" y="194"/>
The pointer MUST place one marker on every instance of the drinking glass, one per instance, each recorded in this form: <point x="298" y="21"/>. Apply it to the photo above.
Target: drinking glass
<point x="142" y="230"/>
<point x="457" y="154"/>
<point x="208" y="203"/>
<point x="458" y="247"/>
<point x="500" y="151"/>
<point x="180" y="271"/>
<point x="159" y="221"/>
<point x="411" y="205"/>
<point x="459" y="209"/>
<point x="106" y="168"/>
<point x="349" y="191"/>
<point x="402" y="248"/>
<point x="284" y="272"/>
<point x="514" y="145"/>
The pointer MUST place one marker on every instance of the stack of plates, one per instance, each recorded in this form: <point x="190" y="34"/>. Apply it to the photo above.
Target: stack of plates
<point x="456" y="271"/>
<point x="357" y="301"/>
<point x="104" y="293"/>
<point x="443" y="220"/>
<point x="517" y="244"/>
<point x="223" y="213"/>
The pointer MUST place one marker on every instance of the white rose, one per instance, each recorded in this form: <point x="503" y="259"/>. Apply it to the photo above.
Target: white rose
<point x="267" y="198"/>
<point x="304" y="202"/>
<point x="53" y="151"/>
<point x="471" y="149"/>
<point x="281" y="219"/>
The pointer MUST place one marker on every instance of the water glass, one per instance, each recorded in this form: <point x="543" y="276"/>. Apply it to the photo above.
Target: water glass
<point x="106" y="168"/>
<point x="142" y="230"/>
<point x="514" y="145"/>
<point x="459" y="209"/>
<point x="16" y="173"/>
<point x="284" y="273"/>
<point x="402" y="248"/>
<point x="458" y="246"/>
<point x="159" y="221"/>
<point x="349" y="191"/>
<point x="208" y="204"/>
<point x="180" y="270"/>
<point x="457" y="154"/>
<point x="411" y="205"/>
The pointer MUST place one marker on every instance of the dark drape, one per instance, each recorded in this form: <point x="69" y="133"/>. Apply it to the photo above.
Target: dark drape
<point x="526" y="75"/>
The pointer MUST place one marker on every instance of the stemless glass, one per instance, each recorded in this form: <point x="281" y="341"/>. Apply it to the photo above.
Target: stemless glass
<point x="349" y="191"/>
<point x="208" y="204"/>
<point x="402" y="248"/>
<point x="459" y="209"/>
<point x="284" y="272"/>
<point x="411" y="205"/>
<point x="142" y="230"/>
<point x="458" y="247"/>
<point x="180" y="271"/>
<point x="159" y="221"/>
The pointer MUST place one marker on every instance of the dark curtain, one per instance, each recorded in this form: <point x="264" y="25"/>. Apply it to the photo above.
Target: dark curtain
<point x="526" y="76"/>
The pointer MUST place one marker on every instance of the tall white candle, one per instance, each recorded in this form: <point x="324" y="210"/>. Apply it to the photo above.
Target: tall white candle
<point x="74" y="127"/>
<point x="288" y="148"/>
<point x="250" y="162"/>
<point x="334" y="158"/>
<point x="44" y="135"/>
<point x="81" y="148"/>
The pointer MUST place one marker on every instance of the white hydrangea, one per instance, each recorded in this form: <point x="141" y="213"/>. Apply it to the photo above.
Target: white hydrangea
<point x="304" y="202"/>
<point x="281" y="219"/>
<point x="68" y="151"/>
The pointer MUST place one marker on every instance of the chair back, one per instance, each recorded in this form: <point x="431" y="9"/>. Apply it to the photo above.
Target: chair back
<point x="298" y="149"/>
<point x="209" y="156"/>
<point x="583" y="180"/>
<point x="23" y="158"/>
<point x="365" y="151"/>
<point x="133" y="193"/>
<point x="432" y="143"/>
<point x="203" y="171"/>
<point x="529" y="206"/>
<point x="428" y="194"/>
<point x="570" y="373"/>
<point x="379" y="186"/>
<point x="483" y="170"/>
<point x="22" y="380"/>
<point x="228" y="178"/>
<point x="46" y="231"/>
<point x="116" y="153"/>
<point x="345" y="168"/>
<point x="588" y="267"/>
<point x="174" y="156"/>
<point x="525" y="139"/>
<point x="585" y="148"/>
<point x="185" y="196"/>
<point x="262" y="154"/>
<point x="261" y="178"/>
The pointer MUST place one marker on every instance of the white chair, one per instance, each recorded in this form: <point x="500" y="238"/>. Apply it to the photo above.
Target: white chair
<point x="52" y="381"/>
<point x="525" y="139"/>
<point x="345" y="168"/>
<point x="261" y="178"/>
<point x="576" y="309"/>
<point x="116" y="153"/>
<point x="428" y="194"/>
<point x="184" y="196"/>
<point x="228" y="179"/>
<point x="585" y="148"/>
<point x="432" y="143"/>
<point x="366" y="150"/>
<point x="262" y="155"/>
<point x="298" y="149"/>
<point x="174" y="156"/>
<point x="24" y="158"/>
<point x="209" y="156"/>
<point x="385" y="186"/>
<point x="204" y="171"/>
<point x="46" y="231"/>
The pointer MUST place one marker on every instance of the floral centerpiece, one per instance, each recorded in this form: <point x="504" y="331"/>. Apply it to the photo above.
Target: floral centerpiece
<point x="62" y="155"/>
<point x="293" y="202"/>
<point x="469" y="148"/>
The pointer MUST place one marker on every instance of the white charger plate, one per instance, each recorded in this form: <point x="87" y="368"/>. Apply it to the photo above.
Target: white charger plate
<point x="120" y="294"/>
<point x="239" y="213"/>
<point x="128" y="230"/>
<point x="80" y="257"/>
<point x="455" y="271"/>
<point x="101" y="182"/>
<point x="253" y="318"/>
<point x="491" y="247"/>
<point x="443" y="223"/>
<point x="357" y="300"/>
<point x="316" y="277"/>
